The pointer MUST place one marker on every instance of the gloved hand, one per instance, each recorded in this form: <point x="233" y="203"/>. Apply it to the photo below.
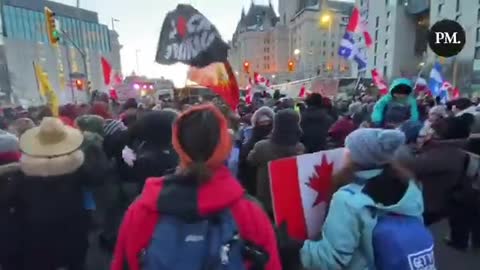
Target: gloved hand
<point x="288" y="248"/>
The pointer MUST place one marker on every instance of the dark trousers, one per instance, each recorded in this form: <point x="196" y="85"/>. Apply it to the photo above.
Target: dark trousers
<point x="464" y="223"/>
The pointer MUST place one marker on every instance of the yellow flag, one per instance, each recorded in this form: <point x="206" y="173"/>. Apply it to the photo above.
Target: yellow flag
<point x="46" y="90"/>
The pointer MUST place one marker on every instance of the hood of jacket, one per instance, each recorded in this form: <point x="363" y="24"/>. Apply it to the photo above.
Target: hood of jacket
<point x="400" y="81"/>
<point x="410" y="204"/>
<point x="263" y="111"/>
<point x="177" y="195"/>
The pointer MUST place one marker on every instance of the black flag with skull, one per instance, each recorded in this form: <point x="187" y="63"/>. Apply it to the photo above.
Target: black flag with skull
<point x="190" y="38"/>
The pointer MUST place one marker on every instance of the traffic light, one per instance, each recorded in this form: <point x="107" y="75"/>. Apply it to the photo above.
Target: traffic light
<point x="291" y="66"/>
<point x="52" y="32"/>
<point x="246" y="67"/>
<point x="79" y="84"/>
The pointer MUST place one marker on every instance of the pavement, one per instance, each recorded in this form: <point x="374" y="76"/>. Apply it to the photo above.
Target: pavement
<point x="446" y="257"/>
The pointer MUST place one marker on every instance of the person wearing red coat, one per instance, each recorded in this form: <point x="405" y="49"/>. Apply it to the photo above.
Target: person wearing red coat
<point x="201" y="187"/>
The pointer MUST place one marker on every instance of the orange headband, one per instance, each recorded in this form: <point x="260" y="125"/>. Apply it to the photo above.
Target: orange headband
<point x="224" y="145"/>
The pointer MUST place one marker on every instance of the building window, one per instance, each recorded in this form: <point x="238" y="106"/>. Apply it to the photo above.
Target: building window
<point x="323" y="53"/>
<point x="388" y="14"/>
<point x="385" y="56"/>
<point x="333" y="54"/>
<point x="440" y="7"/>
<point x="478" y="34"/>
<point x="478" y="15"/>
<point x="377" y="21"/>
<point x="385" y="71"/>
<point x="376" y="35"/>
<point x="477" y="52"/>
<point x="324" y="43"/>
<point x="387" y="28"/>
<point x="386" y="3"/>
<point x="386" y="42"/>
<point x="375" y="60"/>
<point x="333" y="44"/>
<point x="458" y="5"/>
<point x="375" y="49"/>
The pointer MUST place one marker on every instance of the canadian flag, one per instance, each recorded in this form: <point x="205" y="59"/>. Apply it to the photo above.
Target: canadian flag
<point x="248" y="97"/>
<point x="357" y="25"/>
<point x="379" y="82"/>
<point x="301" y="190"/>
<point x="260" y="80"/>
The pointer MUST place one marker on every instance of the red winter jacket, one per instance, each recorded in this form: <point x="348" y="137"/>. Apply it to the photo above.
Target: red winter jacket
<point x="221" y="192"/>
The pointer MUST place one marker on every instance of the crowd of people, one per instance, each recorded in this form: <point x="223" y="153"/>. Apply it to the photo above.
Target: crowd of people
<point x="186" y="185"/>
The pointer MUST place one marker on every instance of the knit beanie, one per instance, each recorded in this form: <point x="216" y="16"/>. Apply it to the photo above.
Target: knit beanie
<point x="113" y="126"/>
<point x="91" y="123"/>
<point x="439" y="110"/>
<point x="9" y="149"/>
<point x="371" y="148"/>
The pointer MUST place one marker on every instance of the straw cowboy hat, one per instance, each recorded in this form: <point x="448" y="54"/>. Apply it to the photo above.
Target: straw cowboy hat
<point x="51" y="139"/>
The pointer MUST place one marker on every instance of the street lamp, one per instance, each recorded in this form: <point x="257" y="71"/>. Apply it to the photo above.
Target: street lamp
<point x="421" y="64"/>
<point x="273" y="76"/>
<point x="296" y="52"/>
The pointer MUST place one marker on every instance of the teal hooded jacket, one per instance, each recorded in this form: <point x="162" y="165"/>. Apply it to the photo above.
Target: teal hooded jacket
<point x="379" y="109"/>
<point x="346" y="242"/>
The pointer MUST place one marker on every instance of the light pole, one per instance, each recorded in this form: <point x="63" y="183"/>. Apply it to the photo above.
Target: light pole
<point x="113" y="23"/>
<point x="326" y="20"/>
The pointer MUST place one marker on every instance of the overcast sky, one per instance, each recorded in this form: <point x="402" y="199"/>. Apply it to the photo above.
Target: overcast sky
<point x="141" y="20"/>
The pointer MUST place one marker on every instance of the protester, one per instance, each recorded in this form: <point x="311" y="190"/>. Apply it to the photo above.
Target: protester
<point x="21" y="125"/>
<point x="51" y="197"/>
<point x="435" y="114"/>
<point x="400" y="96"/>
<point x="344" y="126"/>
<point x="155" y="156"/>
<point x="10" y="234"/>
<point x="463" y="106"/>
<point x="283" y="142"/>
<point x="440" y="164"/>
<point x="129" y="115"/>
<point x="406" y="153"/>
<point x="262" y="121"/>
<point x="315" y="124"/>
<point x="372" y="181"/>
<point x="202" y="140"/>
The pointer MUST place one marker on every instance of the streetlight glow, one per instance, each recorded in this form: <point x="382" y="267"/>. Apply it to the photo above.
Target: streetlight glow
<point x="421" y="64"/>
<point x="325" y="18"/>
<point x="296" y="52"/>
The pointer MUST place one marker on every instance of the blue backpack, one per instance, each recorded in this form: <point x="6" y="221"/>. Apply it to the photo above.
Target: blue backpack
<point x="208" y="244"/>
<point x="402" y="243"/>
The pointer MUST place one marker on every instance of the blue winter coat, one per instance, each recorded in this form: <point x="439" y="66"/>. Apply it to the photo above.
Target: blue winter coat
<point x="346" y="242"/>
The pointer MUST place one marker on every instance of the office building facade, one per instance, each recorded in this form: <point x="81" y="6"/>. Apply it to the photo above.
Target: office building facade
<point x="25" y="41"/>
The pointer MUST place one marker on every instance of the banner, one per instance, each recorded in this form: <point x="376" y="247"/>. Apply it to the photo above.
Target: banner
<point x="325" y="87"/>
<point x="301" y="189"/>
<point x="190" y="38"/>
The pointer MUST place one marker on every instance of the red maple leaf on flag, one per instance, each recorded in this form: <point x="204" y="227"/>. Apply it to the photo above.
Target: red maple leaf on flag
<point x="321" y="181"/>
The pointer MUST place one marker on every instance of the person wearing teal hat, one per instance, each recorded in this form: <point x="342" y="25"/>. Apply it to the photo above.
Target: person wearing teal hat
<point x="400" y="95"/>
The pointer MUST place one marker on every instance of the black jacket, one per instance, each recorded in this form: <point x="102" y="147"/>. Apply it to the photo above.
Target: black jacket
<point x="54" y="222"/>
<point x="315" y="125"/>
<point x="153" y="162"/>
<point x="10" y="233"/>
